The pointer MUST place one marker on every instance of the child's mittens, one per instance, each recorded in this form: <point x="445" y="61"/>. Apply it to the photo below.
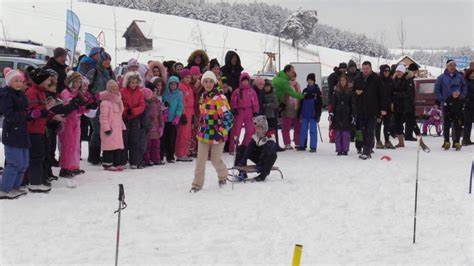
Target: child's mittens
<point x="183" y="120"/>
<point x="235" y="112"/>
<point x="176" y="120"/>
<point x="254" y="114"/>
<point x="108" y="132"/>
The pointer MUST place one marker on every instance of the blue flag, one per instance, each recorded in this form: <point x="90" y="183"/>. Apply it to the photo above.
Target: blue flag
<point x="90" y="41"/>
<point x="73" y="26"/>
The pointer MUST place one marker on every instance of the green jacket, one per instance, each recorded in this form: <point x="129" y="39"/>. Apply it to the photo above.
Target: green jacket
<point x="281" y="84"/>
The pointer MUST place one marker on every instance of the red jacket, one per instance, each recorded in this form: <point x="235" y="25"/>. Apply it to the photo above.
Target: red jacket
<point x="132" y="100"/>
<point x="36" y="100"/>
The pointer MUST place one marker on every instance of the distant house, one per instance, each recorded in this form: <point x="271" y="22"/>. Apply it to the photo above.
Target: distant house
<point x="407" y="60"/>
<point x="136" y="36"/>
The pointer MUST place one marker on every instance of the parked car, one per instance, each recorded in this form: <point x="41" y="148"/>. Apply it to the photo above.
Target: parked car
<point x="425" y="96"/>
<point x="17" y="63"/>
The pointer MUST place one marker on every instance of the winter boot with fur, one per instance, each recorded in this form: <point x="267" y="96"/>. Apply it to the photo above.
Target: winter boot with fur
<point x="379" y="145"/>
<point x="389" y="145"/>
<point x="401" y="141"/>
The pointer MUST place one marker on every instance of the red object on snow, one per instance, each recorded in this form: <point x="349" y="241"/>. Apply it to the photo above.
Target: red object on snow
<point x="386" y="158"/>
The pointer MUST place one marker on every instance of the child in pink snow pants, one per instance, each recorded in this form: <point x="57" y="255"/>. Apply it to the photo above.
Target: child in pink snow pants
<point x="184" y="130"/>
<point x="245" y="105"/>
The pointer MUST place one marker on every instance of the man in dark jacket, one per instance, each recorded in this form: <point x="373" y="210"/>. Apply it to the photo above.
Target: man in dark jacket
<point x="58" y="64"/>
<point x="370" y="105"/>
<point x="232" y="69"/>
<point x="387" y="88"/>
<point x="352" y="71"/>
<point x="332" y="82"/>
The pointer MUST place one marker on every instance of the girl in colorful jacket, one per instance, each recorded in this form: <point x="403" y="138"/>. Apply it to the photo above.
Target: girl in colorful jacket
<point x="244" y="104"/>
<point x="215" y="121"/>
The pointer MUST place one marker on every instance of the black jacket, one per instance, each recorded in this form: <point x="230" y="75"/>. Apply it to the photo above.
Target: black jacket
<point x="369" y="103"/>
<point x="14" y="107"/>
<point x="404" y="94"/>
<point x="61" y="70"/>
<point x="453" y="109"/>
<point x="387" y="92"/>
<point x="344" y="110"/>
<point x="232" y="73"/>
<point x="333" y="79"/>
<point x="470" y="95"/>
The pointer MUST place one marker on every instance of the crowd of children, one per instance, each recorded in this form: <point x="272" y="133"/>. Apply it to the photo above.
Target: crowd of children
<point x="159" y="112"/>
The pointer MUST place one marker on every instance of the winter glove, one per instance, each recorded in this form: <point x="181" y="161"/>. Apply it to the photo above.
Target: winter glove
<point x="167" y="104"/>
<point x="175" y="121"/>
<point x="330" y="117"/>
<point x="108" y="132"/>
<point x="35" y="114"/>
<point x="129" y="112"/>
<point x="353" y="120"/>
<point x="254" y="114"/>
<point x="193" y="119"/>
<point x="78" y="101"/>
<point x="235" y="112"/>
<point x="183" y="120"/>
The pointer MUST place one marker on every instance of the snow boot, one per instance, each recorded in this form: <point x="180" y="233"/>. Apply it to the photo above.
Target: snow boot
<point x="65" y="173"/>
<point x="39" y="189"/>
<point x="379" y="145"/>
<point x="110" y="168"/>
<point x="401" y="141"/>
<point x="222" y="183"/>
<point x="184" y="159"/>
<point x="312" y="150"/>
<point x="261" y="178"/>
<point x="466" y="142"/>
<point x="457" y="146"/>
<point x="446" y="145"/>
<point x="423" y="146"/>
<point x="78" y="172"/>
<point x="159" y="163"/>
<point x="194" y="190"/>
<point x="288" y="147"/>
<point x="365" y="156"/>
<point x="9" y="195"/>
<point x="389" y="145"/>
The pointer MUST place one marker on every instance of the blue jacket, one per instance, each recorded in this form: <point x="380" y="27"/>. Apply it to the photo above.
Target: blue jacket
<point x="174" y="99"/>
<point x="311" y="105"/>
<point x="85" y="66"/>
<point x="14" y="107"/>
<point x="447" y="84"/>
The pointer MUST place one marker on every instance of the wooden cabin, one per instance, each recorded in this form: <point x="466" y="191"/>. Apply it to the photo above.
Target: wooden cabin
<point x="136" y="36"/>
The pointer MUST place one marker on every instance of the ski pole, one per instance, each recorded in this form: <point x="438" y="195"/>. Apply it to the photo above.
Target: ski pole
<point x="470" y="181"/>
<point x="122" y="206"/>
<point x="416" y="189"/>
<point x="320" y="135"/>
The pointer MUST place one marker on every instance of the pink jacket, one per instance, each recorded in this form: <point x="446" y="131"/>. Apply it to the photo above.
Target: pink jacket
<point x="248" y="99"/>
<point x="74" y="117"/>
<point x="110" y="118"/>
<point x="188" y="98"/>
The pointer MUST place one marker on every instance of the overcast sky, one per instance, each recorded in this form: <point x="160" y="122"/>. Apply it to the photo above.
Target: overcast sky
<point x="428" y="23"/>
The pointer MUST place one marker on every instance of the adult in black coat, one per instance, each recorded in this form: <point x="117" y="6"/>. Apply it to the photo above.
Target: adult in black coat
<point x="387" y="88"/>
<point x="232" y="69"/>
<point x="58" y="64"/>
<point x="370" y="103"/>
<point x="468" y="108"/>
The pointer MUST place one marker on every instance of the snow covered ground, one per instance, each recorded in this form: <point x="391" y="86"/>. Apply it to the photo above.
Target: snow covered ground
<point x="174" y="38"/>
<point x="342" y="210"/>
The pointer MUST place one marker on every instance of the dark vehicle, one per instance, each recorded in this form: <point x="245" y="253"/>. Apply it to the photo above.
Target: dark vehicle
<point x="425" y="96"/>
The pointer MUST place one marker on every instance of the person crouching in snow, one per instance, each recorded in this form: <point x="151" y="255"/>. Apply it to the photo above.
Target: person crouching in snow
<point x="173" y="100"/>
<point x="183" y="138"/>
<point x="215" y="121"/>
<point x="134" y="106"/>
<point x="155" y="115"/>
<point x="311" y="108"/>
<point x="14" y="107"/>
<point x="262" y="150"/>
<point x="244" y="104"/>
<point x="70" y="132"/>
<point x="111" y="127"/>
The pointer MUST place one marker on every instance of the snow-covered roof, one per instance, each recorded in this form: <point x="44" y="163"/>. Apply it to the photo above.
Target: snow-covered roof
<point x="409" y="57"/>
<point x="144" y="27"/>
<point x="23" y="46"/>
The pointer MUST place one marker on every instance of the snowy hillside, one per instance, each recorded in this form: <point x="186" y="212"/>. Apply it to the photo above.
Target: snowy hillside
<point x="341" y="209"/>
<point x="174" y="38"/>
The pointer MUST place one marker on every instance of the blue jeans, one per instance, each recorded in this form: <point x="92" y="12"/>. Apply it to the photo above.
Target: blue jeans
<point x="17" y="161"/>
<point x="313" y="132"/>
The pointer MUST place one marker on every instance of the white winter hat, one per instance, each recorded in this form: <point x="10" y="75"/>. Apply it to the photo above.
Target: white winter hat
<point x="209" y="75"/>
<point x="401" y="68"/>
<point x="11" y="74"/>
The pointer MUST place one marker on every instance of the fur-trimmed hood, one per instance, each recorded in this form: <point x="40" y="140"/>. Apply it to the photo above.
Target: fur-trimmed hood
<point x="204" y="58"/>
<point x="130" y="74"/>
<point x="158" y="64"/>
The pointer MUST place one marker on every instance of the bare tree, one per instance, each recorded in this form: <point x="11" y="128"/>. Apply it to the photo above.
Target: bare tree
<point x="402" y="36"/>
